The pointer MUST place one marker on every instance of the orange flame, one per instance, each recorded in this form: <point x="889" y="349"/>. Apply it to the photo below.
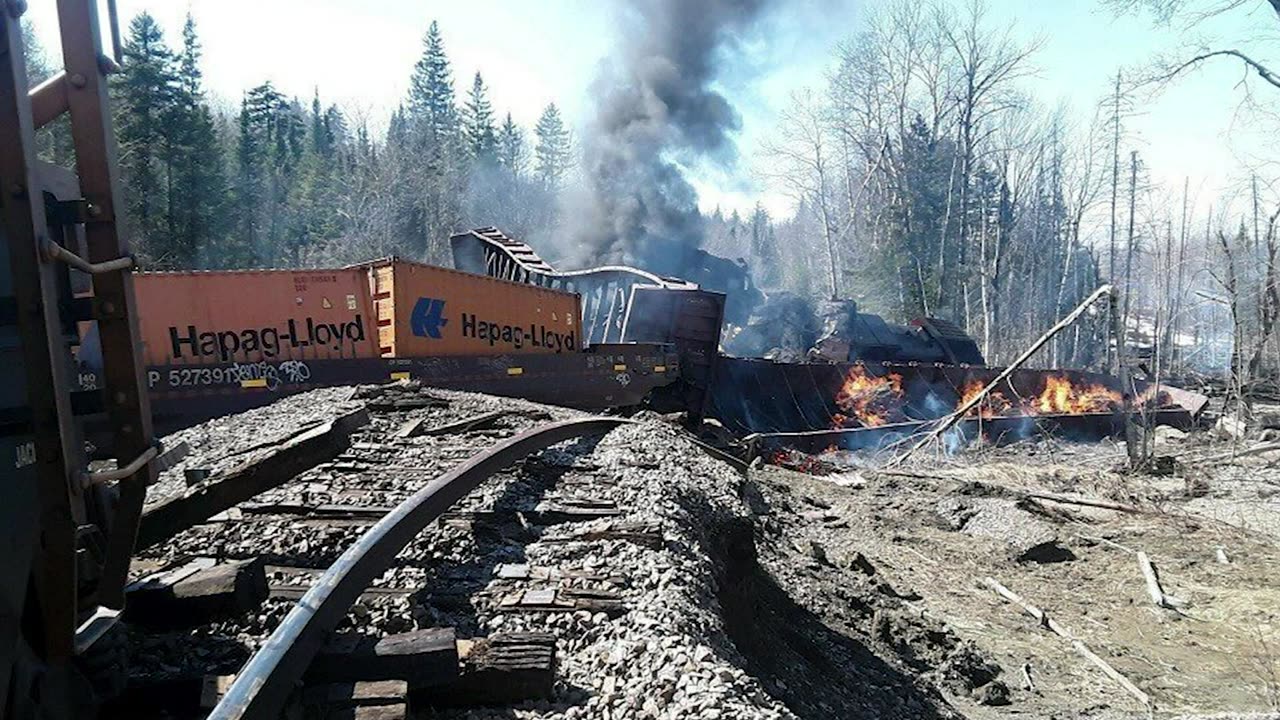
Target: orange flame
<point x="995" y="404"/>
<point x="1060" y="396"/>
<point x="872" y="400"/>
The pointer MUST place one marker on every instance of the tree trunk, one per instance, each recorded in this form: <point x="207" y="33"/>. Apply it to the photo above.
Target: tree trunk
<point x="1128" y="262"/>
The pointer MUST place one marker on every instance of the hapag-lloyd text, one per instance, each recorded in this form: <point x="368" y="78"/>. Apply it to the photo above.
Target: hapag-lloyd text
<point x="536" y="335"/>
<point x="227" y="345"/>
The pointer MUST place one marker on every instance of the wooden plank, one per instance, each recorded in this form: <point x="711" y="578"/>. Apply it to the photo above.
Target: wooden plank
<point x="407" y="402"/>
<point x="563" y="600"/>
<point x="327" y="510"/>
<point x="213" y="689"/>
<point x="185" y="599"/>
<point x="376" y="712"/>
<point x="476" y="422"/>
<point x="410" y="428"/>
<point x="360" y="693"/>
<point x="547" y="515"/>
<point x="286" y="591"/>
<point x="645" y="534"/>
<point x="378" y="700"/>
<point x="421" y="658"/>
<point x="299" y="454"/>
<point x="167" y="577"/>
<point x="502" y="669"/>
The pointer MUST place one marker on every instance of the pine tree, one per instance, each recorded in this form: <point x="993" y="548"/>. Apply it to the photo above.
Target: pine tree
<point x="511" y="149"/>
<point x="764" y="248"/>
<point x="321" y="141"/>
<point x="398" y="129"/>
<point x="318" y="220"/>
<point x="257" y="178"/>
<point x="431" y="107"/>
<point x="481" y="136"/>
<point x="147" y="89"/>
<point x="552" y="150"/>
<point x="197" y="175"/>
<point x="436" y="168"/>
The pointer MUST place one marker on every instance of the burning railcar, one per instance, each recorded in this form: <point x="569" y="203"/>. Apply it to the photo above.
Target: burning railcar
<point x="593" y="338"/>
<point x="828" y="374"/>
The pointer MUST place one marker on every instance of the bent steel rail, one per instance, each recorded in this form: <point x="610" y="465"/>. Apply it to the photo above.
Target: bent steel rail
<point x="262" y="687"/>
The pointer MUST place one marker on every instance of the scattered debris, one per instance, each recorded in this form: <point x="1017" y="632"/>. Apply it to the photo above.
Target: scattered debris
<point x="1154" y="590"/>
<point x="1230" y="428"/>
<point x="1053" y="626"/>
<point x="1165" y="435"/>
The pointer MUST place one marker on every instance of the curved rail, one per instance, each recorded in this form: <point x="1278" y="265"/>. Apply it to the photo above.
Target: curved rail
<point x="263" y="685"/>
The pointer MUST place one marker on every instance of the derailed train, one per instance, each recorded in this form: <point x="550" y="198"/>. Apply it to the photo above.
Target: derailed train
<point x="214" y="341"/>
<point x="85" y="340"/>
<point x="217" y="341"/>
<point x="606" y="337"/>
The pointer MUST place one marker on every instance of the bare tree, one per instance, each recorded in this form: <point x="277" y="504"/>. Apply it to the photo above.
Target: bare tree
<point x="801" y="157"/>
<point x="1188" y="15"/>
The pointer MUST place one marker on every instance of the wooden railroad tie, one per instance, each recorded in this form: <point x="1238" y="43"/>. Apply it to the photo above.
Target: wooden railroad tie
<point x="483" y="421"/>
<point x="563" y="600"/>
<point x="196" y="593"/>
<point x="421" y="658"/>
<point x="354" y="674"/>
<point x="300" y="453"/>
<point x="502" y="669"/>
<point x="361" y="700"/>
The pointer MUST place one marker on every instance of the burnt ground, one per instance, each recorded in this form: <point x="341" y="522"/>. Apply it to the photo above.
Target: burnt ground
<point x="934" y="529"/>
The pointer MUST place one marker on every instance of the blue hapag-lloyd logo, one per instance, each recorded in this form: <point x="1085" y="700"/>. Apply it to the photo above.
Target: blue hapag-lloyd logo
<point x="428" y="318"/>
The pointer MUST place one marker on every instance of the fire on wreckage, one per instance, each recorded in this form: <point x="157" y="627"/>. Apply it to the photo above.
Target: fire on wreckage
<point x="866" y="400"/>
<point x="835" y="372"/>
<point x="612" y="345"/>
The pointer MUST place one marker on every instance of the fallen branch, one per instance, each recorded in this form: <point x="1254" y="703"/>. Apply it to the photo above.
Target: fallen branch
<point x="1153" y="584"/>
<point x="1104" y="541"/>
<point x="1057" y="628"/>
<point x="1255" y="450"/>
<point x="1086" y="502"/>
<point x="1148" y="574"/>
<point x="973" y="402"/>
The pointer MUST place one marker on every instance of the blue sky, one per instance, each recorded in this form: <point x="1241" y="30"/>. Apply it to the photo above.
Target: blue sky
<point x="535" y="52"/>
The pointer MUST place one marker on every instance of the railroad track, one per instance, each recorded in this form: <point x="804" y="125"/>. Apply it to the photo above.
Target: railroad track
<point x="337" y="557"/>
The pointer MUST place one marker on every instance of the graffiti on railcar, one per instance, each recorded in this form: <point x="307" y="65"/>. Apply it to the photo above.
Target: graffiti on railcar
<point x="271" y="376"/>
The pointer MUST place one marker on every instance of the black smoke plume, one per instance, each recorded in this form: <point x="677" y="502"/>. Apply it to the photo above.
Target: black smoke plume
<point x="657" y="109"/>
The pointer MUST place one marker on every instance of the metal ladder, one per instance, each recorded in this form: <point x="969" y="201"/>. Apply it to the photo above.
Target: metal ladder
<point x="68" y="533"/>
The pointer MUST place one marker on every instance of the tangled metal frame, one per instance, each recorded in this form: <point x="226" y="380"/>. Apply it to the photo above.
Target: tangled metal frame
<point x="605" y="291"/>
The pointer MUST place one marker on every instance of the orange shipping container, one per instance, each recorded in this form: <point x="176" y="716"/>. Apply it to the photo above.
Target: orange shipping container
<point x="198" y="318"/>
<point x="426" y="311"/>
